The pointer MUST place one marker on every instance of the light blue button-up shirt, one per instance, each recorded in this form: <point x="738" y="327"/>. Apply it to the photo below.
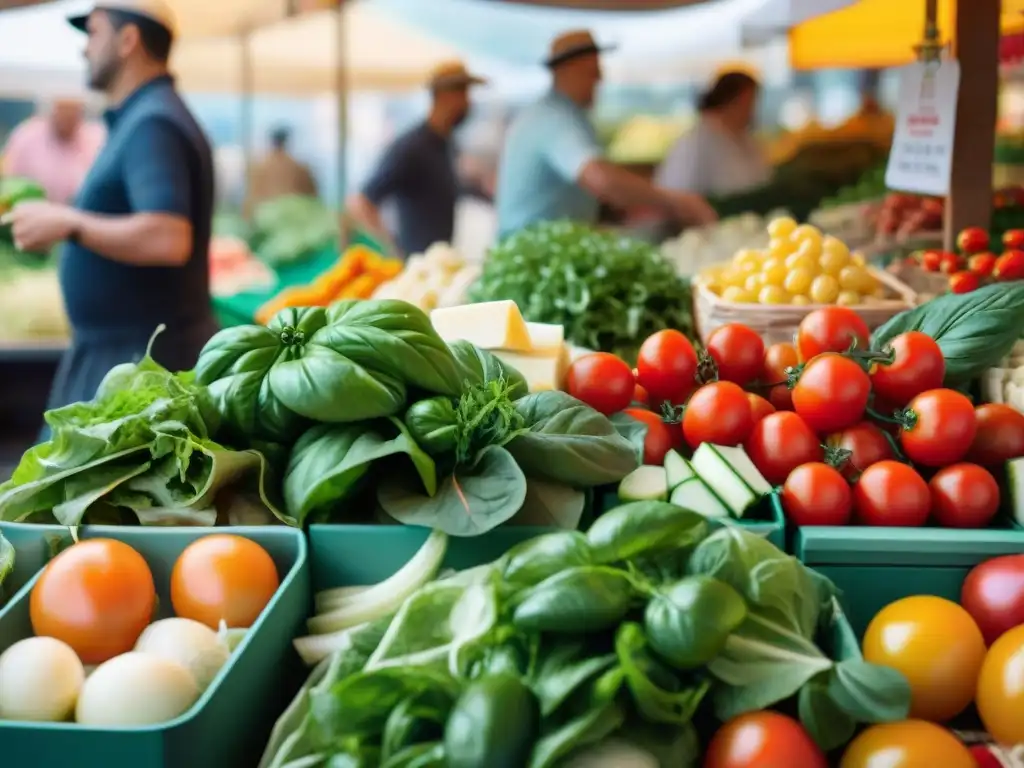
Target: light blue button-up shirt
<point x="546" y="147"/>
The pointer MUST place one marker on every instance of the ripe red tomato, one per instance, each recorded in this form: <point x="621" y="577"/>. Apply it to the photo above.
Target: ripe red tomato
<point x="1000" y="696"/>
<point x="993" y="593"/>
<point x="738" y="351"/>
<point x="660" y="437"/>
<point x="666" y="367"/>
<point x="640" y="395"/>
<point x="950" y="263"/>
<point x="777" y="358"/>
<point x="717" y="413"/>
<point x="890" y="493"/>
<point x="759" y="407"/>
<point x="97" y="596"/>
<point x="1013" y="239"/>
<point x="964" y="496"/>
<point x="867" y="445"/>
<point x="763" y="740"/>
<point x="982" y="264"/>
<point x="1009" y="266"/>
<point x="602" y="381"/>
<point x="906" y="744"/>
<point x="930" y="260"/>
<point x="942" y="429"/>
<point x="830" y="329"/>
<point x="223" y="577"/>
<point x="917" y="366"/>
<point x="972" y="240"/>
<point x="963" y="282"/>
<point x="817" y="494"/>
<point x="831" y="393"/>
<point x="780" y="443"/>
<point x="999" y="437"/>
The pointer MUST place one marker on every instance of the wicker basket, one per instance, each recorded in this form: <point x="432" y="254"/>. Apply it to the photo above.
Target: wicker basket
<point x="778" y="322"/>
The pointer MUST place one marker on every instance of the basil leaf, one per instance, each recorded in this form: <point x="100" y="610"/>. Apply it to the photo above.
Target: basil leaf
<point x="6" y="564"/>
<point x="974" y="330"/>
<point x="870" y="693"/>
<point x="590" y="727"/>
<point x="826" y="723"/>
<point x="433" y="425"/>
<point x="643" y="528"/>
<point x="569" y="442"/>
<point x="564" y="667"/>
<point x="478" y="366"/>
<point x="533" y="561"/>
<point x="633" y="430"/>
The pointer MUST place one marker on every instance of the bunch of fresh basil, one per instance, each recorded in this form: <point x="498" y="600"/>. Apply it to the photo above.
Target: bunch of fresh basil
<point x="632" y="631"/>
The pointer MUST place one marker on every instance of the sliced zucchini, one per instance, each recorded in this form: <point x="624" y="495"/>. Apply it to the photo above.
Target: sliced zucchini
<point x="1015" y="483"/>
<point x="646" y="483"/>
<point x="744" y="467"/>
<point x="722" y="477"/>
<point x="694" y="494"/>
<point x="678" y="469"/>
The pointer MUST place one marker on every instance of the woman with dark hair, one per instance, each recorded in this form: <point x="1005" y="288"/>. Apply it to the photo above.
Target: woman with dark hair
<point x="719" y="155"/>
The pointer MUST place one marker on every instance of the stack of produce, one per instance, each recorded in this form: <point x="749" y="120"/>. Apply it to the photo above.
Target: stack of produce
<point x="438" y="278"/>
<point x="291" y="229"/>
<point x="94" y="603"/>
<point x="234" y="269"/>
<point x="1005" y="382"/>
<point x="905" y="216"/>
<point x="652" y="621"/>
<point x="31" y="306"/>
<point x="608" y="292"/>
<point x="974" y="265"/>
<point x="700" y="247"/>
<point x="356" y="275"/>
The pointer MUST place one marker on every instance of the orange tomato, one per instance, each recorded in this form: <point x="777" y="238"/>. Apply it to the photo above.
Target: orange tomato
<point x="223" y="577"/>
<point x="936" y="645"/>
<point x="97" y="596"/>
<point x="908" y="744"/>
<point x="1000" y="696"/>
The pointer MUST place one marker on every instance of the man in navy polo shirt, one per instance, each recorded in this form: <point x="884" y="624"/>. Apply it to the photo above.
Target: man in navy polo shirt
<point x="138" y="232"/>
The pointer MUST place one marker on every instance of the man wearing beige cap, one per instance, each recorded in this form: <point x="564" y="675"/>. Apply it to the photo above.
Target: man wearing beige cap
<point x="552" y="168"/>
<point x="417" y="171"/>
<point x="138" y="233"/>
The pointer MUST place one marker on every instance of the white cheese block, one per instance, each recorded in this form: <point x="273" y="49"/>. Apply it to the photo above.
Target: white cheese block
<point x="546" y="337"/>
<point x="489" y="325"/>
<point x="542" y="372"/>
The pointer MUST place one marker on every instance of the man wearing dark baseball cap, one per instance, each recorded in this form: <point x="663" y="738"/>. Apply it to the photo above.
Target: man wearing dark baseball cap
<point x="137" y="235"/>
<point x="552" y="165"/>
<point x="417" y="172"/>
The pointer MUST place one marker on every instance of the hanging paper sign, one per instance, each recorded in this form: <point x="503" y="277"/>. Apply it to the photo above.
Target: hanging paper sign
<point x="921" y="158"/>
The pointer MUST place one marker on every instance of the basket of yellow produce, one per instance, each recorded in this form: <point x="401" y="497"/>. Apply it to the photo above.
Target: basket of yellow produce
<point x="773" y="289"/>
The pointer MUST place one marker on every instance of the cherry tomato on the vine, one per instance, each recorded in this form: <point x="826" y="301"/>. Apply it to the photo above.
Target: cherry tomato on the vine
<point x="777" y="358"/>
<point x="817" y="494"/>
<point x="917" y="366"/>
<point x="660" y="437"/>
<point x="964" y="496"/>
<point x="891" y="493"/>
<point x="867" y="445"/>
<point x="831" y="393"/>
<point x="666" y="367"/>
<point x="780" y="443"/>
<point x="941" y="428"/>
<point x="759" y="407"/>
<point x="717" y="413"/>
<point x="602" y="381"/>
<point x="763" y="739"/>
<point x="830" y="329"/>
<point x="738" y="350"/>
<point x="999" y="437"/>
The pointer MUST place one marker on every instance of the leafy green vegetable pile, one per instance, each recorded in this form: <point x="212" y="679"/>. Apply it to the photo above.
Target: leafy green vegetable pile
<point x="6" y="565"/>
<point x="610" y="292"/>
<point x="655" y="618"/>
<point x="141" y="452"/>
<point x="291" y="229"/>
<point x="363" y="406"/>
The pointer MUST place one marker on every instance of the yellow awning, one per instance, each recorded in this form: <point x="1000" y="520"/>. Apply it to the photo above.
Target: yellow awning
<point x="877" y="33"/>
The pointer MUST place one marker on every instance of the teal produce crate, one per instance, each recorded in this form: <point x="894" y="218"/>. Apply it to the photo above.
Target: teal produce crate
<point x="34" y="545"/>
<point x="228" y="726"/>
<point x="765" y="519"/>
<point x="876" y="566"/>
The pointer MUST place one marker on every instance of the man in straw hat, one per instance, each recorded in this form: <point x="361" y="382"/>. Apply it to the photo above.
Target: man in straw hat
<point x="417" y="171"/>
<point x="552" y="166"/>
<point x="138" y="233"/>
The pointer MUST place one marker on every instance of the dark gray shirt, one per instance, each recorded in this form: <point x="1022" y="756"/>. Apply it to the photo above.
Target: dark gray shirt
<point x="417" y="172"/>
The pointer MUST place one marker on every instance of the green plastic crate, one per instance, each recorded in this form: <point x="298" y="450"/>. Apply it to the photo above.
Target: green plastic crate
<point x="33" y="547"/>
<point x="876" y="566"/>
<point x="229" y="724"/>
<point x="766" y="518"/>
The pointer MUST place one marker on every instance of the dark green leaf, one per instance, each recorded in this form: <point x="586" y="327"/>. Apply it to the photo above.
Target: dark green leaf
<point x="478" y="366"/>
<point x="531" y="562"/>
<point x="433" y="425"/>
<point x="425" y="755"/>
<point x="564" y="668"/>
<point x="688" y="622"/>
<point x="827" y="724"/>
<point x="577" y="600"/>
<point x="591" y="727"/>
<point x="644" y="528"/>
<point x="869" y="693"/>
<point x="633" y="430"/>
<point x="675" y="746"/>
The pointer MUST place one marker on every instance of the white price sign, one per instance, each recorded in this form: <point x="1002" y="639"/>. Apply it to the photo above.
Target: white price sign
<point x="921" y="158"/>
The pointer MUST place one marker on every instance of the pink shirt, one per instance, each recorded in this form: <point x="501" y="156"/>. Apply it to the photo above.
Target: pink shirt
<point x="34" y="152"/>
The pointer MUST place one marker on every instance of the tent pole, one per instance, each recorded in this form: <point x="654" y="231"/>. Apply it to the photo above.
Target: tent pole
<point x="341" y="92"/>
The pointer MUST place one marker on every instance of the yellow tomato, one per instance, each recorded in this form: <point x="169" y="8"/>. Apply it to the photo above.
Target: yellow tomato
<point x="848" y="298"/>
<point x="781" y="227"/>
<point x="773" y="294"/>
<point x="1000" y="696"/>
<point x="800" y="300"/>
<point x="753" y="282"/>
<point x="831" y="244"/>
<point x="780" y="248"/>
<point x="750" y="267"/>
<point x="732" y="276"/>
<point x="774" y="272"/>
<point x="798" y="281"/>
<point x="851" y="278"/>
<point x="832" y="263"/>
<point x="738" y="294"/>
<point x="746" y="256"/>
<point x="800" y="261"/>
<point x="824" y="289"/>
<point x="857" y="259"/>
<point x="810" y="248"/>
<point x="806" y="232"/>
<point x="938" y="648"/>
<point x="907" y="744"/>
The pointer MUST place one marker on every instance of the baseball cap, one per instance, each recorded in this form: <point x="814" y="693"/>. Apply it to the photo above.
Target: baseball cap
<point x="154" y="10"/>
<point x="452" y="74"/>
<point x="569" y="45"/>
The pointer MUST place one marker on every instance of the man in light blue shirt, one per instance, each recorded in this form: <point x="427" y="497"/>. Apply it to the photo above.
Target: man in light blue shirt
<point x="552" y="165"/>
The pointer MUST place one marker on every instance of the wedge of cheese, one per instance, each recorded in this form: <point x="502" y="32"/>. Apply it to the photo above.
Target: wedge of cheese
<point x="491" y="325"/>
<point x="541" y="371"/>
<point x="546" y="337"/>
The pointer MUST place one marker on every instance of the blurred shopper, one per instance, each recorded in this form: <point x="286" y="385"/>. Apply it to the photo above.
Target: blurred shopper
<point x="719" y="155"/>
<point x="552" y="165"/>
<point x="55" y="149"/>
<point x="278" y="173"/>
<point x="417" y="171"/>
<point x="138" y="234"/>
